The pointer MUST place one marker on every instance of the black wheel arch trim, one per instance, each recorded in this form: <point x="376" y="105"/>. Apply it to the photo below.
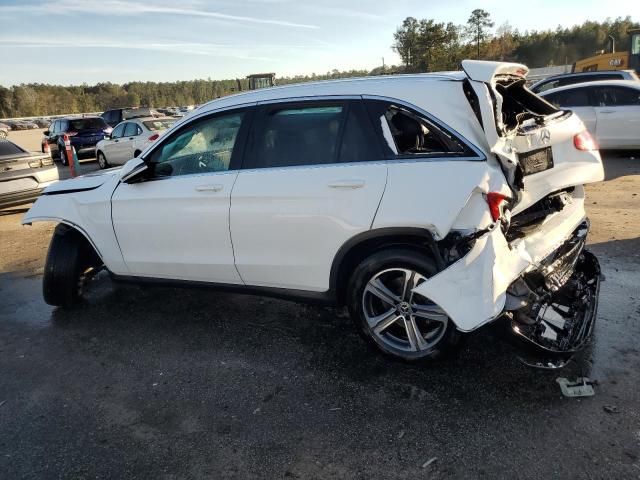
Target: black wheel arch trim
<point x="388" y="236"/>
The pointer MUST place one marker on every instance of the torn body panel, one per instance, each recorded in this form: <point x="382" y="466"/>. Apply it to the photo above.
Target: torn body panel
<point x="485" y="273"/>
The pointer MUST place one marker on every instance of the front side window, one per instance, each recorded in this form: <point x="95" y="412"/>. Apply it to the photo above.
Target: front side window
<point x="618" y="96"/>
<point x="131" y="130"/>
<point x="203" y="146"/>
<point x="118" y="131"/>
<point x="407" y="134"/>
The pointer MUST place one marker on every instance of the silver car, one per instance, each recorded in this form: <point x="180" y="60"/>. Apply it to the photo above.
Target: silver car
<point x="23" y="174"/>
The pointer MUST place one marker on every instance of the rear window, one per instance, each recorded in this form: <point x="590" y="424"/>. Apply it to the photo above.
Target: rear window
<point x="9" y="148"/>
<point x="87" y="124"/>
<point x="157" y="125"/>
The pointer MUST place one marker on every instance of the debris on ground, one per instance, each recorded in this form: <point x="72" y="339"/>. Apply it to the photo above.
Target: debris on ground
<point x="401" y="434"/>
<point x="580" y="387"/>
<point x="429" y="462"/>
<point x="610" y="409"/>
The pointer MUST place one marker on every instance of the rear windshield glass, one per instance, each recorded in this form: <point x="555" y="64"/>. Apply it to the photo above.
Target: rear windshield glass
<point x="8" y="148"/>
<point x="156" y="125"/>
<point x="87" y="124"/>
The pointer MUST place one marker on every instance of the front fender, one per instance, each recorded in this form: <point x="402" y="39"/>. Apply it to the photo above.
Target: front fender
<point x="89" y="212"/>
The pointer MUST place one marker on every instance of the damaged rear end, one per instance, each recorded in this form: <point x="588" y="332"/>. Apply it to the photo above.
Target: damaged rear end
<point x="529" y="267"/>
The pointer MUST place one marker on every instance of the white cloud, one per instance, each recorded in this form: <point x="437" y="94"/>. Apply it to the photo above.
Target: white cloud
<point x="124" y="8"/>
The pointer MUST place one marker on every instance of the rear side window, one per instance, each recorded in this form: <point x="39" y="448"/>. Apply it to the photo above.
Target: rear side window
<point x="405" y="133"/>
<point x="577" y="97"/>
<point x="617" y="96"/>
<point x="311" y="134"/>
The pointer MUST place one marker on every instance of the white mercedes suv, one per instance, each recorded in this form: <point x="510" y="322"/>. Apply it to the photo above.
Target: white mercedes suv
<point x="428" y="204"/>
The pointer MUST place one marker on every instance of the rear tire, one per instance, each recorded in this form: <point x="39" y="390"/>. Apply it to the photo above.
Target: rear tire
<point x="69" y="259"/>
<point x="397" y="322"/>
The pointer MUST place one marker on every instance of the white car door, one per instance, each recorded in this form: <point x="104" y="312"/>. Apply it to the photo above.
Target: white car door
<point x="175" y="224"/>
<point x="581" y="101"/>
<point x="112" y="144"/>
<point x="618" y="113"/>
<point x="311" y="180"/>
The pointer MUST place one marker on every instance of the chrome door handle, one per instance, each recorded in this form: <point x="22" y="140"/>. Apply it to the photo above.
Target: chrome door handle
<point x="209" y="188"/>
<point x="346" y="184"/>
<point x="607" y="111"/>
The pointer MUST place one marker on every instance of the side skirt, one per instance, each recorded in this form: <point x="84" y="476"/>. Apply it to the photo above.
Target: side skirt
<point x="304" y="296"/>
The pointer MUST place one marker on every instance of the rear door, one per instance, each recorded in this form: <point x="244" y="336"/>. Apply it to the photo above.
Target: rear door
<point x="311" y="180"/>
<point x="618" y="113"/>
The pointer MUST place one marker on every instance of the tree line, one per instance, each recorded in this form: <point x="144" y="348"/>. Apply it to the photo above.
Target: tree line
<point x="423" y="45"/>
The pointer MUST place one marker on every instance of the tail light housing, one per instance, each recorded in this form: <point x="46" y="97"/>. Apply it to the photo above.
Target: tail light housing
<point x="154" y="137"/>
<point x="497" y="202"/>
<point x="585" y="142"/>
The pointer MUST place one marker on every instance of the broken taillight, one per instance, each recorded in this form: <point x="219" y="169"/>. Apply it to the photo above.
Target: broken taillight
<point x="585" y="142"/>
<point x="496" y="202"/>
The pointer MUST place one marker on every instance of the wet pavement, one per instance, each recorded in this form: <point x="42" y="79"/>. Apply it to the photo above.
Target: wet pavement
<point x="164" y="383"/>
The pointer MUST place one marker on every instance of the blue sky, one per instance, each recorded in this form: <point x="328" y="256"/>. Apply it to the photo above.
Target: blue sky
<point x="76" y="41"/>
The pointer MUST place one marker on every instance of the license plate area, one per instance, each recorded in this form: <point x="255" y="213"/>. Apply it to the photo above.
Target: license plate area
<point x="536" y="161"/>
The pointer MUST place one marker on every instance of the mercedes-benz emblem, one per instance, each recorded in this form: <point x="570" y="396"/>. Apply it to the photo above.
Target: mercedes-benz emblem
<point x="545" y="136"/>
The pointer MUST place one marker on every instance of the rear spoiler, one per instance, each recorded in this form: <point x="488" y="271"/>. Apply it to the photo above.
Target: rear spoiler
<point x="487" y="72"/>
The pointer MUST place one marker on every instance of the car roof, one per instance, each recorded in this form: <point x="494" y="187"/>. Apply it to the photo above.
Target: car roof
<point x="146" y="119"/>
<point x="79" y="117"/>
<point x="343" y="86"/>
<point x="597" y="83"/>
<point x="583" y="74"/>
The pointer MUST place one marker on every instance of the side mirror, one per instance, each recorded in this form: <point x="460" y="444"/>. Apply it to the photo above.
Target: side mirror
<point x="107" y="136"/>
<point x="132" y="170"/>
<point x="46" y="133"/>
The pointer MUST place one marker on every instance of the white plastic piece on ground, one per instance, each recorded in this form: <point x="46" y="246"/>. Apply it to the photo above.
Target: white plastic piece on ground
<point x="581" y="387"/>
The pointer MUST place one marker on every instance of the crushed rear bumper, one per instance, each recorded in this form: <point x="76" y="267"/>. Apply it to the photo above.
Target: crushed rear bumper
<point x="551" y="311"/>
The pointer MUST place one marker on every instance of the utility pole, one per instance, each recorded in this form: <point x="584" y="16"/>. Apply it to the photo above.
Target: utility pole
<point x="383" y="64"/>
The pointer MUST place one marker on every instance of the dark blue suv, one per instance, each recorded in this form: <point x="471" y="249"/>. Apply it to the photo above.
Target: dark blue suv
<point x="84" y="133"/>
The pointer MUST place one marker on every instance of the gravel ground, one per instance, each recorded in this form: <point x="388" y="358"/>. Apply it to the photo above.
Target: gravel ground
<point x="169" y="383"/>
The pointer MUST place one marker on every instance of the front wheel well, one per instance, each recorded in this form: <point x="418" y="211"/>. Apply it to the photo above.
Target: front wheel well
<point x="362" y="246"/>
<point x="89" y="253"/>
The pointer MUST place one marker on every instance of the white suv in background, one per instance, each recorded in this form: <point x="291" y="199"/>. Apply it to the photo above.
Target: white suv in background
<point x="428" y="204"/>
<point x="129" y="138"/>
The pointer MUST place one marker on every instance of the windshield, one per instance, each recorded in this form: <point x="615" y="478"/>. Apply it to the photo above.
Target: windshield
<point x="157" y="125"/>
<point x="87" y="124"/>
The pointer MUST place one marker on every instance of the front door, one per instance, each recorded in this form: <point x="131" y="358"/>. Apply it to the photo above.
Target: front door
<point x="175" y="223"/>
<point x="311" y="180"/>
<point x="618" y="113"/>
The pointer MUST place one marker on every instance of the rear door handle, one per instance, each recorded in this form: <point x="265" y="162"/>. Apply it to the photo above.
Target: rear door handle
<point x="209" y="188"/>
<point x="352" y="183"/>
<point x="607" y="111"/>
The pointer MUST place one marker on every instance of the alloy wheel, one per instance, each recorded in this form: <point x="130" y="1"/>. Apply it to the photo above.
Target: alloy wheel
<point x="398" y="317"/>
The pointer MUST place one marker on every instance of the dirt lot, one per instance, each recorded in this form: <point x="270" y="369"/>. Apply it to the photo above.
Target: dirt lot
<point x="170" y="383"/>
